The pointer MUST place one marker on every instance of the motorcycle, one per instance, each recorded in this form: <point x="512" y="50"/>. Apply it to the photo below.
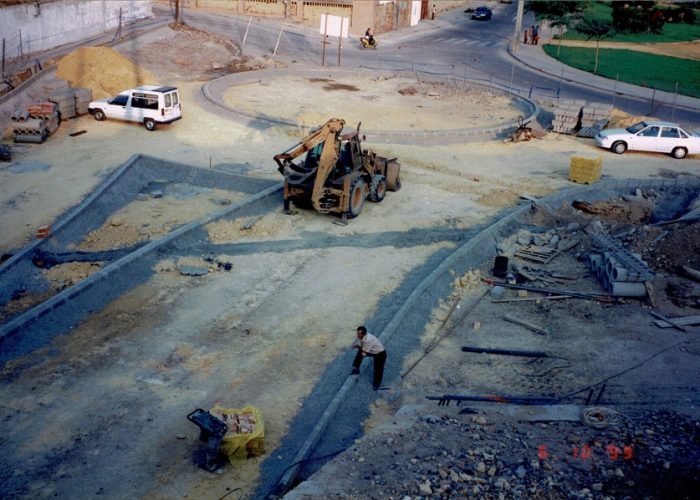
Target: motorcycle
<point x="365" y="43"/>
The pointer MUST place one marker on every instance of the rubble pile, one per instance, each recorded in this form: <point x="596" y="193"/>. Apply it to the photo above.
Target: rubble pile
<point x="494" y="458"/>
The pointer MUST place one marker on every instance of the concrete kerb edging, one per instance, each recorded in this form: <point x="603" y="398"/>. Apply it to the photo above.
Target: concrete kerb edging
<point x="59" y="299"/>
<point x="211" y="93"/>
<point x="84" y="205"/>
<point x="483" y="238"/>
<point x="596" y="87"/>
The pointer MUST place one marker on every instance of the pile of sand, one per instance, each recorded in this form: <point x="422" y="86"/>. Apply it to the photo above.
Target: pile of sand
<point x="620" y="119"/>
<point x="103" y="70"/>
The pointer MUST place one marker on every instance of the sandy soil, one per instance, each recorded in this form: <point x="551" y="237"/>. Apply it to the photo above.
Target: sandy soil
<point x="423" y="105"/>
<point x="261" y="333"/>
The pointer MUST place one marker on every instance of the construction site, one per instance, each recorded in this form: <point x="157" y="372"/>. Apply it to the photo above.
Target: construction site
<point x="537" y="297"/>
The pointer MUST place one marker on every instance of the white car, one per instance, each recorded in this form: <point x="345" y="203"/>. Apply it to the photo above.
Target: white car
<point x="148" y="104"/>
<point x="662" y="137"/>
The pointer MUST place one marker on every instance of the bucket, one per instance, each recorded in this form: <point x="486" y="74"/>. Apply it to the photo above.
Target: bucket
<point x="500" y="266"/>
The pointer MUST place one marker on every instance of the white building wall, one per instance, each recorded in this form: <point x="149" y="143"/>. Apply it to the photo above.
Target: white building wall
<point x="48" y="25"/>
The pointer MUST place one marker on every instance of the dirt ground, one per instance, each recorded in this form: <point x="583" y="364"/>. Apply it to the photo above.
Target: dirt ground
<point x="262" y="332"/>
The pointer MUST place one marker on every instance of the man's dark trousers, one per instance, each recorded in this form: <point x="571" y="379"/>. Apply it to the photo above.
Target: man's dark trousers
<point x="379" y="361"/>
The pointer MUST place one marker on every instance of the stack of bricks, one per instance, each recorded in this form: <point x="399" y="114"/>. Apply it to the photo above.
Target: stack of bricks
<point x="567" y="115"/>
<point x="27" y="128"/>
<point x="594" y="118"/>
<point x="48" y="112"/>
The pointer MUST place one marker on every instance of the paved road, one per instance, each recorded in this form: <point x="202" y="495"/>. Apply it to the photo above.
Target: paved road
<point x="451" y="45"/>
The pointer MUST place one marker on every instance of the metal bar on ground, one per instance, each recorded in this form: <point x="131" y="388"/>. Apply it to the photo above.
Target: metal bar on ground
<point x="530" y="326"/>
<point x="505" y="352"/>
<point x="581" y="295"/>
<point x="518" y="400"/>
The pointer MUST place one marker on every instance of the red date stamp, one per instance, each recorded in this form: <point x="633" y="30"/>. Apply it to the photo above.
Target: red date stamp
<point x="585" y="452"/>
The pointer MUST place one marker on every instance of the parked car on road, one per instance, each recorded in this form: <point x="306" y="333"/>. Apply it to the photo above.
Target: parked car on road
<point x="662" y="137"/>
<point x="481" y="14"/>
<point x="148" y="104"/>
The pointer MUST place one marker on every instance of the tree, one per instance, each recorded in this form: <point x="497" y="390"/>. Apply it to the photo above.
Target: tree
<point x="178" y="18"/>
<point x="636" y="17"/>
<point x="595" y="29"/>
<point x="559" y="14"/>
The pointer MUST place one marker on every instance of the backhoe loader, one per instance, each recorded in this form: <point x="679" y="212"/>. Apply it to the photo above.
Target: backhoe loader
<point x="336" y="175"/>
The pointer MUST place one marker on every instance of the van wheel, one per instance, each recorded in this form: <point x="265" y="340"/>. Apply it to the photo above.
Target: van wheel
<point x="99" y="115"/>
<point x="149" y="124"/>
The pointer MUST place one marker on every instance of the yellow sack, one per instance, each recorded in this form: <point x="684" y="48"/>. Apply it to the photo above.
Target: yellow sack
<point x="246" y="431"/>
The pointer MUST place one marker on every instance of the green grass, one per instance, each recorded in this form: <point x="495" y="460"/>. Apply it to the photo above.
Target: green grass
<point x="633" y="67"/>
<point x="671" y="32"/>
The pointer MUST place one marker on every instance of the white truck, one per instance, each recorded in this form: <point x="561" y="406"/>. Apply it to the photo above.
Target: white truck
<point x="148" y="104"/>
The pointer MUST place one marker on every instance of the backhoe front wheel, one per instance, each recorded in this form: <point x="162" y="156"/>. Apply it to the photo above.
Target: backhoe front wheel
<point x="358" y="194"/>
<point x="377" y="189"/>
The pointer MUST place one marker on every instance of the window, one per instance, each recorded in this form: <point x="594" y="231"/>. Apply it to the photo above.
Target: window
<point x="669" y="132"/>
<point x="683" y="134"/>
<point x="168" y="102"/>
<point x="120" y="100"/>
<point x="144" y="101"/>
<point x="636" y="128"/>
<point x="650" y="132"/>
<point x="175" y="101"/>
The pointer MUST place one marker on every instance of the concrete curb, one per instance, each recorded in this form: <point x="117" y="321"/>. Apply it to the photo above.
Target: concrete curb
<point x="482" y="247"/>
<point x="27" y="318"/>
<point x="213" y="90"/>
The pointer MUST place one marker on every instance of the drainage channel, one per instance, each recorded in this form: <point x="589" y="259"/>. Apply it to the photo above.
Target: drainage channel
<point x="123" y="268"/>
<point x="331" y="417"/>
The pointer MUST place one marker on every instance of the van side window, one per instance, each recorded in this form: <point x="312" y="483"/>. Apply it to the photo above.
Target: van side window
<point x="175" y="101"/>
<point x="168" y="102"/>
<point x="144" y="101"/>
<point x="120" y="100"/>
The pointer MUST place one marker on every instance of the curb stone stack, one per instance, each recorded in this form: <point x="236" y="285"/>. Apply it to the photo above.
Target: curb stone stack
<point x="567" y="116"/>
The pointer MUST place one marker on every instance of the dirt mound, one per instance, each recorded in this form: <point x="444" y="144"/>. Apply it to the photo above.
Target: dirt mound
<point x="620" y="119"/>
<point x="103" y="70"/>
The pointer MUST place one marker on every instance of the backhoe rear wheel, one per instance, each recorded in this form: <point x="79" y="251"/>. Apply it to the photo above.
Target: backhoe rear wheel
<point x="358" y="194"/>
<point x="377" y="190"/>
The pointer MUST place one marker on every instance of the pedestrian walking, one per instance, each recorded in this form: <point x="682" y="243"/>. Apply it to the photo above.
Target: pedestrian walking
<point x="368" y="345"/>
<point x="535" y="34"/>
<point x="432" y="13"/>
<point x="526" y="35"/>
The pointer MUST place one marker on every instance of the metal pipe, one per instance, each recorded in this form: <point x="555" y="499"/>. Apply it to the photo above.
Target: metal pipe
<point x="505" y="352"/>
<point x="516" y="400"/>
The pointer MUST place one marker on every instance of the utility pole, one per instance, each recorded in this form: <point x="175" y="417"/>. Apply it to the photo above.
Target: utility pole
<point x="518" y="24"/>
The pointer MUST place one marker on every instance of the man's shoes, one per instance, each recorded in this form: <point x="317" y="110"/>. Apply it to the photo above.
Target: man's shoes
<point x="355" y="371"/>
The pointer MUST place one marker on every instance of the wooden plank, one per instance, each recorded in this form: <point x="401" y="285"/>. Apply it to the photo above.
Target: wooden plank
<point x="682" y="321"/>
<point x="667" y="320"/>
<point x="530" y="326"/>
<point x="530" y="299"/>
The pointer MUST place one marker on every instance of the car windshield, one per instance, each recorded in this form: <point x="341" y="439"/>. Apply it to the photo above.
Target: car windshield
<point x="636" y="127"/>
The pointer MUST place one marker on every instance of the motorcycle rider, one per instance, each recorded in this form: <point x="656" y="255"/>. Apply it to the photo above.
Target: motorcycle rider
<point x="369" y="35"/>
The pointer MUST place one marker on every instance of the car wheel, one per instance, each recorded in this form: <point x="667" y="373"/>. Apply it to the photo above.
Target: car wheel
<point x="679" y="153"/>
<point x="149" y="124"/>
<point x="619" y="147"/>
<point x="99" y="115"/>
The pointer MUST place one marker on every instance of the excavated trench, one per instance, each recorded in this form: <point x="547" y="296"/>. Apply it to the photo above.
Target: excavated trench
<point x="399" y="318"/>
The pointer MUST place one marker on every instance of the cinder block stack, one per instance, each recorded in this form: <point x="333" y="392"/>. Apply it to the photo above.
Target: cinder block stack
<point x="622" y="273"/>
<point x="594" y="118"/>
<point x="66" y="103"/>
<point x="28" y="129"/>
<point x="83" y="97"/>
<point x="567" y="115"/>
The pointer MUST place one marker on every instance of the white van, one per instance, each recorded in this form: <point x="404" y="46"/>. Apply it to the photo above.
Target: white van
<point x="147" y="104"/>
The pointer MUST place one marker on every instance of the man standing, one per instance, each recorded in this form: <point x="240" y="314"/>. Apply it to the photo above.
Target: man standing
<point x="369" y="345"/>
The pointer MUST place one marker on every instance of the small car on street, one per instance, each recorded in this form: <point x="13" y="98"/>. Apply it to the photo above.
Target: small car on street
<point x="481" y="14"/>
<point x="661" y="137"/>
